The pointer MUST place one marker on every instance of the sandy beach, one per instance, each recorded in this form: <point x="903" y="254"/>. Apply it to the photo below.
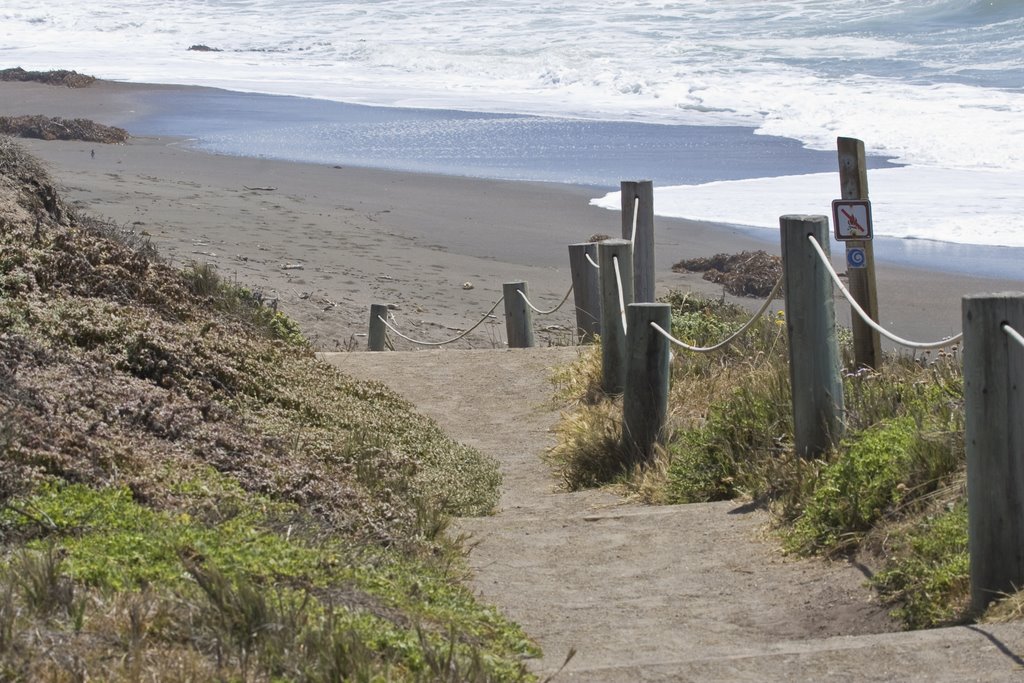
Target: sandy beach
<point x="327" y="241"/>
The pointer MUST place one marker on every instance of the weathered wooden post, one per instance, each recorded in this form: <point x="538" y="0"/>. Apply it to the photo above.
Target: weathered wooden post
<point x="814" y="371"/>
<point x="853" y="180"/>
<point x="645" y="399"/>
<point x="518" y="317"/>
<point x="613" y="336"/>
<point x="378" y="332"/>
<point x="586" y="291"/>
<point x="994" y="441"/>
<point x="638" y="200"/>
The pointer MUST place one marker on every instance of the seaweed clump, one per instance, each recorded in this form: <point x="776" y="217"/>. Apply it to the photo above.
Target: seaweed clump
<point x="56" y="128"/>
<point x="749" y="273"/>
<point x="68" y="79"/>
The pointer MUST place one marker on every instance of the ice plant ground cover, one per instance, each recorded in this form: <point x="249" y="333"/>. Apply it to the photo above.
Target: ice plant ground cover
<point x="187" y="492"/>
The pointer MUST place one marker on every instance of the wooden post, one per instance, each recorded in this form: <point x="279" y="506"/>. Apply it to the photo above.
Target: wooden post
<point x="994" y="441"/>
<point x="518" y="316"/>
<point x="613" y="337"/>
<point x="645" y="399"/>
<point x="378" y="332"/>
<point x="814" y="373"/>
<point x="853" y="181"/>
<point x="586" y="291"/>
<point x="643" y="242"/>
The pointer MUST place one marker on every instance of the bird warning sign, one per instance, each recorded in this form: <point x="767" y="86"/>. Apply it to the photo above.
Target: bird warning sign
<point x="852" y="219"/>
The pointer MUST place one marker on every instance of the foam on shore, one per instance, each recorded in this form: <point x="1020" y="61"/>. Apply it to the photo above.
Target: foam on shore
<point x="911" y="203"/>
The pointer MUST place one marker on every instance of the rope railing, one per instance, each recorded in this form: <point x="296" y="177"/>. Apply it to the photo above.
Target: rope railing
<point x="622" y="298"/>
<point x="1013" y="334"/>
<point x="593" y="262"/>
<point x="732" y="337"/>
<point x="447" y="341"/>
<point x="538" y="311"/>
<point x="949" y="341"/>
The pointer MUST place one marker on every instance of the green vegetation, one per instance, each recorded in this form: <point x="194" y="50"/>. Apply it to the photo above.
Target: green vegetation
<point x="929" y="559"/>
<point x="891" y="492"/>
<point x="188" y="494"/>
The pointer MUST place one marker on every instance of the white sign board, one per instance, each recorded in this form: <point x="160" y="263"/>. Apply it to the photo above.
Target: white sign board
<point x="852" y="219"/>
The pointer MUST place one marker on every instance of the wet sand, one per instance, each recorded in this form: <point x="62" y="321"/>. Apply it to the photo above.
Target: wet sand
<point x="327" y="241"/>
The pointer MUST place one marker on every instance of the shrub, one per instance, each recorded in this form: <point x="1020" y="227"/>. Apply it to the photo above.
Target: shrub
<point x="928" y="573"/>
<point x="864" y="481"/>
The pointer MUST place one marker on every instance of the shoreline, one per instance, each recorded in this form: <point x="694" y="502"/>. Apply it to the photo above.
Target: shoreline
<point x="152" y="110"/>
<point x="411" y="240"/>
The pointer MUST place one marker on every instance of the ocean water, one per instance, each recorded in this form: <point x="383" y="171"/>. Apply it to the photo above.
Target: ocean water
<point x="508" y="146"/>
<point x="675" y="90"/>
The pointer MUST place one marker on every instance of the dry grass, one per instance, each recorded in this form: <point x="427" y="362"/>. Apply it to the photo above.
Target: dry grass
<point x="1009" y="608"/>
<point x="891" y="490"/>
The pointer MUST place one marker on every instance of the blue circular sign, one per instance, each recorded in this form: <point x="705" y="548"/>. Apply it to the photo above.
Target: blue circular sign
<point x="856" y="258"/>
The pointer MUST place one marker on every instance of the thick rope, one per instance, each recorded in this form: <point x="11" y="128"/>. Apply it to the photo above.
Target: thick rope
<point x="593" y="262"/>
<point x="622" y="298"/>
<point x="548" y="312"/>
<point x="728" y="340"/>
<point x="1013" y="334"/>
<point x="867" y="319"/>
<point x="448" y="341"/>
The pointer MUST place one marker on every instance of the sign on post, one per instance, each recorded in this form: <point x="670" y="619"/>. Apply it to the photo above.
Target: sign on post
<point x="856" y="257"/>
<point x="852" y="219"/>
<point x="853" y="185"/>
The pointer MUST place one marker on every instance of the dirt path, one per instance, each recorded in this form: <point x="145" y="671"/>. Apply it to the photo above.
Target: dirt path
<point x="674" y="593"/>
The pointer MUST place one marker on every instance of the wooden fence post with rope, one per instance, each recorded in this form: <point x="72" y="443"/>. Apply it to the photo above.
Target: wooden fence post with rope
<point x="814" y="365"/>
<point x="638" y="227"/>
<point x="518" y="316"/>
<point x="377" y="337"/>
<point x="645" y="396"/>
<point x="994" y="441"/>
<point x="615" y="258"/>
<point x="586" y="291"/>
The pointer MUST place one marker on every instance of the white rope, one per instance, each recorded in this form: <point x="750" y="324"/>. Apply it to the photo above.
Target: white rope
<point x="548" y="312"/>
<point x="636" y="214"/>
<point x="592" y="262"/>
<point x="1013" y="334"/>
<point x="622" y="298"/>
<point x="728" y="340"/>
<point x="949" y="341"/>
<point x="448" y="341"/>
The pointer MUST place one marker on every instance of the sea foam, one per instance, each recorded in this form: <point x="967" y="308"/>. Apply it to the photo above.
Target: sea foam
<point x="967" y="207"/>
<point x="935" y="84"/>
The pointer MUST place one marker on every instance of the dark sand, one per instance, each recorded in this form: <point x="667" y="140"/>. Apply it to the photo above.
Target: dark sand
<point x="371" y="236"/>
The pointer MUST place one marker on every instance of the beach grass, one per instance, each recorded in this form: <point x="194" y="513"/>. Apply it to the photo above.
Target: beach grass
<point x="891" y="493"/>
<point x="188" y="494"/>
